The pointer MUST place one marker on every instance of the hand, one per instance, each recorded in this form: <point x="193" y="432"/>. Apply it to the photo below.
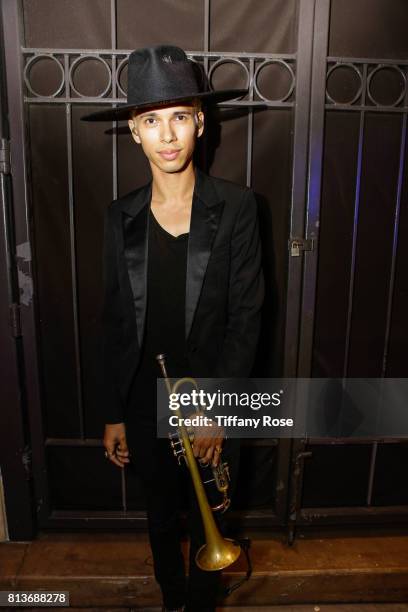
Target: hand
<point x="207" y="442"/>
<point x="114" y="441"/>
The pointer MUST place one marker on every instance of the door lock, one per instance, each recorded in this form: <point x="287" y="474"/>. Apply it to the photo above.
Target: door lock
<point x="296" y="245"/>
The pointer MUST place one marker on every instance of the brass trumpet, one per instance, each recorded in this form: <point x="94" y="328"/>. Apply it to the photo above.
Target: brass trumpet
<point x="218" y="552"/>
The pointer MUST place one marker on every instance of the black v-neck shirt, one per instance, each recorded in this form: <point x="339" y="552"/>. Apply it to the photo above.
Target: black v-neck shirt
<point x="165" y="318"/>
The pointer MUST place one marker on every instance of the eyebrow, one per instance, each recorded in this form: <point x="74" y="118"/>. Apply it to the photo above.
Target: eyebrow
<point x="153" y="114"/>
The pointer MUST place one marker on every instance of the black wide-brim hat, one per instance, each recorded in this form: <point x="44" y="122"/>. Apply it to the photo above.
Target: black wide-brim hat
<point x="163" y="75"/>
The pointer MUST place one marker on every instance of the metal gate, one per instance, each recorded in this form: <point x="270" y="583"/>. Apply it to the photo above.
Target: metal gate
<point x="66" y="172"/>
<point x="355" y="291"/>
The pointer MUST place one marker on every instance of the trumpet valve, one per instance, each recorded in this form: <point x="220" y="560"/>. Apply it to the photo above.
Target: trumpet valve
<point x="222" y="476"/>
<point x="177" y="447"/>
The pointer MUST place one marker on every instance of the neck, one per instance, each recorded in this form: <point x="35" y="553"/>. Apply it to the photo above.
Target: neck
<point x="173" y="186"/>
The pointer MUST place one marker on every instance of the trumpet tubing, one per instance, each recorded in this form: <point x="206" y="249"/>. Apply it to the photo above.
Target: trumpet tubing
<point x="218" y="552"/>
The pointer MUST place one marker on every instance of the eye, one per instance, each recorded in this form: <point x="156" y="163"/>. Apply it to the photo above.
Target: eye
<point x="181" y="117"/>
<point x="150" y="121"/>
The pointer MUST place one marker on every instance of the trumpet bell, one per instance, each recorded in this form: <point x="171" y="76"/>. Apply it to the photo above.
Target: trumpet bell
<point x="217" y="555"/>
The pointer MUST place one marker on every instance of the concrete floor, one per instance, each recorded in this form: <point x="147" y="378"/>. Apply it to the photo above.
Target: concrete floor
<point x="113" y="572"/>
<point x="353" y="607"/>
<point x="385" y="607"/>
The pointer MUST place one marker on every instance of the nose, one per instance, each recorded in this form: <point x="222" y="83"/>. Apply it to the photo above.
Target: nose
<point x="167" y="132"/>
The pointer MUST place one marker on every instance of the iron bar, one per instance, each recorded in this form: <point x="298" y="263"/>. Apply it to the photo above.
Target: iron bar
<point x="314" y="181"/>
<point x="339" y="441"/>
<point x="124" y="52"/>
<point x="351" y="514"/>
<point x="114" y="519"/>
<point x="301" y="119"/>
<point x="74" y="278"/>
<point x="371" y="473"/>
<point x="206" y="47"/>
<point x="369" y="61"/>
<point x="366" y="107"/>
<point x="123" y="489"/>
<point x="97" y="442"/>
<point x="114" y="94"/>
<point x="21" y="527"/>
<point x="354" y="243"/>
<point x="207" y="17"/>
<point x="250" y="127"/>
<point x="106" y="101"/>
<point x="391" y="288"/>
<point x="395" y="242"/>
<point x="87" y="442"/>
<point x="299" y="181"/>
<point x="113" y="14"/>
<point x="299" y="454"/>
<point x="5" y="236"/>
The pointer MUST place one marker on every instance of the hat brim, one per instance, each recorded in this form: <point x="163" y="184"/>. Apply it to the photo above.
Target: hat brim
<point x="123" y="111"/>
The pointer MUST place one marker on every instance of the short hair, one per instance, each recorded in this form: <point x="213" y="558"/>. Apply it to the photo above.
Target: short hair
<point x="197" y="104"/>
<point x="194" y="102"/>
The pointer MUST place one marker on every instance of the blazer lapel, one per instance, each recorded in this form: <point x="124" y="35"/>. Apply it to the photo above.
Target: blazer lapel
<point x="205" y="217"/>
<point x="135" y="218"/>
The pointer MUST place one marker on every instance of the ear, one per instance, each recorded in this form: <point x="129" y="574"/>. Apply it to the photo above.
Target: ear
<point x="133" y="129"/>
<point x="200" y="123"/>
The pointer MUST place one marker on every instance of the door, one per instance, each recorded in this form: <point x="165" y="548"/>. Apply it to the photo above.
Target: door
<point x="305" y="139"/>
<point x="71" y="59"/>
<point x="355" y="288"/>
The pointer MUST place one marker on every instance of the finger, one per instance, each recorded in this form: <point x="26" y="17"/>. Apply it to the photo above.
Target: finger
<point x="110" y="447"/>
<point x="216" y="457"/>
<point x="206" y="449"/>
<point x="208" y="455"/>
<point x="123" y="445"/>
<point x="122" y="459"/>
<point x="123" y="454"/>
<point x="122" y="451"/>
<point x="198" y="448"/>
<point x="218" y="442"/>
<point x="113" y="458"/>
<point x="199" y="434"/>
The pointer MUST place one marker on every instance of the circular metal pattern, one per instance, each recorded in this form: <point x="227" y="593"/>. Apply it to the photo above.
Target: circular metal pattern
<point x="229" y="60"/>
<point x="120" y="68"/>
<point x="82" y="59"/>
<point x="34" y="60"/>
<point x="284" y="65"/>
<point x="347" y="66"/>
<point x="384" y="67"/>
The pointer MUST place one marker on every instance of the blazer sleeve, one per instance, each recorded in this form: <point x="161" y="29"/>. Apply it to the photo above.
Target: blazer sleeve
<point x="245" y="296"/>
<point x="112" y="315"/>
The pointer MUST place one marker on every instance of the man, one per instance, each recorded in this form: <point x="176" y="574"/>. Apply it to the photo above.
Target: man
<point x="182" y="277"/>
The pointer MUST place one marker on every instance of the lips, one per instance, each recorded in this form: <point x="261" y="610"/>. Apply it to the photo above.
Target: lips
<point x="169" y="154"/>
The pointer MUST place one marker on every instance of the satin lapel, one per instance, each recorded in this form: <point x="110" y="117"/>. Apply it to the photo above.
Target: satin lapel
<point x="136" y="232"/>
<point x="205" y="217"/>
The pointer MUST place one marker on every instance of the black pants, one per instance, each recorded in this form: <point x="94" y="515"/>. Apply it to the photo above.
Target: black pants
<point x="166" y="485"/>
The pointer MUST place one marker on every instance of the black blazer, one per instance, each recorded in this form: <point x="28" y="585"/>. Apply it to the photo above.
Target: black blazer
<point x="224" y="286"/>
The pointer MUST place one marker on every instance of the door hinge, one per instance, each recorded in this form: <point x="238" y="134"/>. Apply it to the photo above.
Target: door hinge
<point x="26" y="459"/>
<point x="15" y="320"/>
<point x="5" y="156"/>
<point x="300" y="244"/>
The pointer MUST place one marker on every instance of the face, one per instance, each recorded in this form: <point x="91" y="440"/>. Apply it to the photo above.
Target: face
<point x="168" y="135"/>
